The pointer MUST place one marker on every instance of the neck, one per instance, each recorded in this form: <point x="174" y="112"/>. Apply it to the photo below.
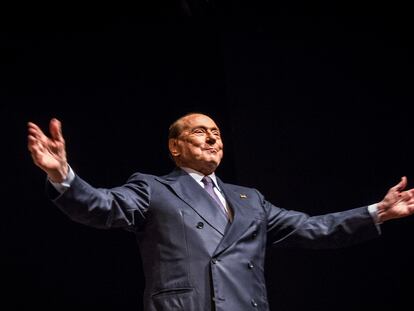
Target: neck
<point x="206" y="168"/>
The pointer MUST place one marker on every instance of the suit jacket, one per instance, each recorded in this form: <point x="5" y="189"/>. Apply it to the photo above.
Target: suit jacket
<point x="190" y="262"/>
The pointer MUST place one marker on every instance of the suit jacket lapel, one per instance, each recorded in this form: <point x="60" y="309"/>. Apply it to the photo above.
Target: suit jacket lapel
<point x="243" y="217"/>
<point x="188" y="190"/>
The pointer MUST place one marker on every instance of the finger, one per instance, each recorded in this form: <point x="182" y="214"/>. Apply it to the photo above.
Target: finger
<point x="35" y="150"/>
<point x="36" y="153"/>
<point x="36" y="132"/>
<point x="38" y="160"/>
<point x="33" y="125"/>
<point x="34" y="129"/>
<point x="401" y="185"/>
<point x="405" y="195"/>
<point x="31" y="142"/>
<point x="34" y="145"/>
<point x="55" y="127"/>
<point x="410" y="197"/>
<point x="34" y="141"/>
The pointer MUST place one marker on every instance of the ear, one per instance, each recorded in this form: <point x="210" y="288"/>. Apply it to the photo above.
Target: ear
<point x="173" y="147"/>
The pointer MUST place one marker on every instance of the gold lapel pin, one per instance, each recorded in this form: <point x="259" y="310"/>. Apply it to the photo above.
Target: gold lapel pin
<point x="243" y="196"/>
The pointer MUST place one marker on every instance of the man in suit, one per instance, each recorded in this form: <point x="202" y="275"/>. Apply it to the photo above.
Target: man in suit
<point x="202" y="249"/>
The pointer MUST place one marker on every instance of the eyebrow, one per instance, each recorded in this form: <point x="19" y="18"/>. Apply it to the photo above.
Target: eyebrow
<point x="215" y="128"/>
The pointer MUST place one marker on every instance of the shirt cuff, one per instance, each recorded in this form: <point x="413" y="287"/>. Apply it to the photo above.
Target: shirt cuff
<point x="65" y="184"/>
<point x="373" y="211"/>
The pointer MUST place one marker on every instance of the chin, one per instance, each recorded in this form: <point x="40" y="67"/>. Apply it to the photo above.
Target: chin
<point x="213" y="165"/>
<point x="213" y="162"/>
<point x="208" y="167"/>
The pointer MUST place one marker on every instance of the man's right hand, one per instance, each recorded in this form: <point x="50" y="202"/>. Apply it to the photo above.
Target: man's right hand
<point x="49" y="153"/>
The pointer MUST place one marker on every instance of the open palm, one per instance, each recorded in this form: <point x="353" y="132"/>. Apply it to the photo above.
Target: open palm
<point x="48" y="153"/>
<point x="397" y="203"/>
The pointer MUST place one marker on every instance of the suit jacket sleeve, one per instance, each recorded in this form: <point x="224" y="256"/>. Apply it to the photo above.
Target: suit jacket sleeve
<point x="287" y="228"/>
<point x="120" y="207"/>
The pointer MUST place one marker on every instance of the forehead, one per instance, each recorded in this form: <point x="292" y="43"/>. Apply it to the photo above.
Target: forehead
<point x="198" y="120"/>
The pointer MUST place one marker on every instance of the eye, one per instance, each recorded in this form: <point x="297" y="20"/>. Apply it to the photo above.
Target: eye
<point x="199" y="131"/>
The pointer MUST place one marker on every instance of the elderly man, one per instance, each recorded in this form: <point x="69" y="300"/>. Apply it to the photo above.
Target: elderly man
<point x="202" y="241"/>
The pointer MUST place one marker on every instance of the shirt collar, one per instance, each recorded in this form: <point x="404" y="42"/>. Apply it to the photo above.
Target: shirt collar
<point x="199" y="176"/>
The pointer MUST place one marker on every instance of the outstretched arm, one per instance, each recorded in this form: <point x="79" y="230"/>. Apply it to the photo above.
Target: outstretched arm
<point x="49" y="153"/>
<point x="123" y="206"/>
<point x="397" y="202"/>
<point x="333" y="230"/>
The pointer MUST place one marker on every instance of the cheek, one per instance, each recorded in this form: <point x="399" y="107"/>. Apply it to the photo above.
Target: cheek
<point x="190" y="147"/>
<point x="193" y="149"/>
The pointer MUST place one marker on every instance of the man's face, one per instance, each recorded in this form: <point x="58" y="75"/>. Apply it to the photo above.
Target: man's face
<point x="199" y="144"/>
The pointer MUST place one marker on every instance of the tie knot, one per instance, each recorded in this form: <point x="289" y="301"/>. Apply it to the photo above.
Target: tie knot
<point x="207" y="180"/>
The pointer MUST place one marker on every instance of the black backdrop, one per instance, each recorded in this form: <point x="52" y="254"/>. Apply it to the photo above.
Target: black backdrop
<point x="313" y="100"/>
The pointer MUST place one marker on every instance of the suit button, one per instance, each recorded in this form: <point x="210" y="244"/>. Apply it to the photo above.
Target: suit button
<point x="254" y="303"/>
<point x="254" y="234"/>
<point x="250" y="265"/>
<point x="200" y="225"/>
<point x="214" y="260"/>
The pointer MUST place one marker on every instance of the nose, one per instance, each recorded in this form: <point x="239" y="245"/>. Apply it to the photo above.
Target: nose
<point x="210" y="139"/>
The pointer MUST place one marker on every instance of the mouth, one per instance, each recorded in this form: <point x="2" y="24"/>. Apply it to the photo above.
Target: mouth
<point x="211" y="150"/>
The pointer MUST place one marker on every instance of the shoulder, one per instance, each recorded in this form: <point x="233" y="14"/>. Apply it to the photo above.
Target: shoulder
<point x="150" y="178"/>
<point x="139" y="175"/>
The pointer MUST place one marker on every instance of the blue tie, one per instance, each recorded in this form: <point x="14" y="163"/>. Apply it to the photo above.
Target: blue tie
<point x="209" y="186"/>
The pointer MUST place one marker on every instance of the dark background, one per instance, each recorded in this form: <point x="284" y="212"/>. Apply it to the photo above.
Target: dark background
<point x="313" y="99"/>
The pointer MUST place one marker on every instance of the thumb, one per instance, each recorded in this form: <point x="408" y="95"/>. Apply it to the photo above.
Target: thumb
<point x="55" y="128"/>
<point x="402" y="184"/>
